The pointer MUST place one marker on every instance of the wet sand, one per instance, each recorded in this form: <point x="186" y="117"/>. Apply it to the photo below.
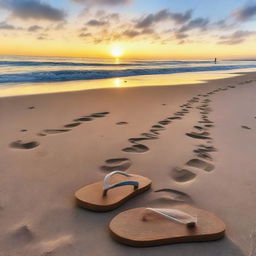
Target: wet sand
<point x="196" y="142"/>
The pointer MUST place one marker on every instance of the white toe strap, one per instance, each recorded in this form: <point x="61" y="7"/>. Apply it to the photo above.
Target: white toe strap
<point x="174" y="215"/>
<point x="107" y="186"/>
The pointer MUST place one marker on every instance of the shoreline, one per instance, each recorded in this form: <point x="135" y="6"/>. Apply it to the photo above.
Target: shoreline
<point x="11" y="90"/>
<point x="38" y="180"/>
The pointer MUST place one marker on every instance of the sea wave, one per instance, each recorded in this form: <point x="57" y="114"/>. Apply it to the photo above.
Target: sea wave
<point x="72" y="75"/>
<point x="60" y="63"/>
<point x="24" y="63"/>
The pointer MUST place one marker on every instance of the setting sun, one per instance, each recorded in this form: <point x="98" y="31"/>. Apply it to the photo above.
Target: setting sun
<point x="116" y="51"/>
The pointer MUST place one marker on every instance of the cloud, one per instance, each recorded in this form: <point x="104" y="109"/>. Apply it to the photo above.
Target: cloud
<point x="180" y="18"/>
<point x="150" y="19"/>
<point x="112" y="16"/>
<point x="245" y="13"/>
<point x="162" y="15"/>
<point x="85" y="35"/>
<point x="237" y="37"/>
<point x="32" y="9"/>
<point x="6" y="26"/>
<point x="96" y="23"/>
<point x="101" y="15"/>
<point x="232" y="41"/>
<point x="34" y="28"/>
<point x="103" y="2"/>
<point x="223" y="24"/>
<point x="161" y="26"/>
<point x="131" y="33"/>
<point x="180" y="35"/>
<point x="42" y="37"/>
<point x="239" y="34"/>
<point x="198" y="23"/>
<point x="60" y="25"/>
<point x="147" y="31"/>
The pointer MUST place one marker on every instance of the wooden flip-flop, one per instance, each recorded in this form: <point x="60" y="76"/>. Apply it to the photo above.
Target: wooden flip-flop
<point x="103" y="196"/>
<point x="142" y="227"/>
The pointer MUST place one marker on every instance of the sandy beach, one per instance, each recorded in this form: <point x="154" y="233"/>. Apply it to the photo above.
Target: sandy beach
<point x="196" y="142"/>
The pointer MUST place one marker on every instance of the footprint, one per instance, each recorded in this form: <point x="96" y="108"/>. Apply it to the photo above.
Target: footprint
<point x="203" y="151"/>
<point x="179" y="114"/>
<point x="246" y="127"/>
<point x="72" y="125"/>
<point x="83" y="119"/>
<point x="56" y="131"/>
<point x="121" y="123"/>
<point x="205" y="121"/>
<point x="135" y="140"/>
<point x="200" y="164"/>
<point x="159" y="127"/>
<point x="63" y="245"/>
<point x="41" y="134"/>
<point x="149" y="135"/>
<point x="24" y="145"/>
<point x="139" y="148"/>
<point x="21" y="234"/>
<point x="207" y="148"/>
<point x="100" y="114"/>
<point x="174" y="118"/>
<point x="32" y="107"/>
<point x="203" y="133"/>
<point x="182" y="175"/>
<point x="175" y="195"/>
<point x="205" y="109"/>
<point x="164" y="122"/>
<point x="199" y="127"/>
<point x="23" y="130"/>
<point x="204" y="155"/>
<point x="116" y="164"/>
<point x="155" y="131"/>
<point x="198" y="136"/>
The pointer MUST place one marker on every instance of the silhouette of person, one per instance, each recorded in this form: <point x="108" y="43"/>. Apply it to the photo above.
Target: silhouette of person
<point x="215" y="60"/>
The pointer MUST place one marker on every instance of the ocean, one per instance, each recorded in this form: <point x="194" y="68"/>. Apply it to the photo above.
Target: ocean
<point x="17" y="72"/>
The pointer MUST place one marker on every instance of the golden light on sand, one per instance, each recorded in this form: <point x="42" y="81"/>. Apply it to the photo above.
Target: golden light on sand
<point x="117" y="82"/>
<point x="116" y="51"/>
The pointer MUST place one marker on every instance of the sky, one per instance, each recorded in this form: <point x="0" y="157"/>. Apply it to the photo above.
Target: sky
<point x="148" y="29"/>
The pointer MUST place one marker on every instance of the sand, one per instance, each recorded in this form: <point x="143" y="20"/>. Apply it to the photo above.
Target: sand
<point x="196" y="142"/>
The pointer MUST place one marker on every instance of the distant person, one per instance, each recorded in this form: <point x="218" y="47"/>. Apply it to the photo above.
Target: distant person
<point x="215" y="60"/>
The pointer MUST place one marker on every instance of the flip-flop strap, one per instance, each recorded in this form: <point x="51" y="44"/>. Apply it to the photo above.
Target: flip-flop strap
<point x="107" y="186"/>
<point x="174" y="215"/>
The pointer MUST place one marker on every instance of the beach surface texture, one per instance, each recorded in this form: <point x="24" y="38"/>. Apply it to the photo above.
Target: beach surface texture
<point x="195" y="142"/>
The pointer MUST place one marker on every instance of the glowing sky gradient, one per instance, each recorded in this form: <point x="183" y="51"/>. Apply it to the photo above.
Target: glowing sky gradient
<point x="177" y="29"/>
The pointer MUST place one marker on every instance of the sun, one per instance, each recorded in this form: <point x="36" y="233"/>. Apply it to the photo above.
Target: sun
<point x="116" y="51"/>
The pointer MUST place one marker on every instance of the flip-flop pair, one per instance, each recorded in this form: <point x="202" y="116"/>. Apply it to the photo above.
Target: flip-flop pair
<point x="147" y="226"/>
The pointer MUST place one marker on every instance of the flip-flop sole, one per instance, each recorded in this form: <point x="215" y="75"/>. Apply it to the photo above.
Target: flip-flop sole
<point x="129" y="228"/>
<point x="91" y="196"/>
